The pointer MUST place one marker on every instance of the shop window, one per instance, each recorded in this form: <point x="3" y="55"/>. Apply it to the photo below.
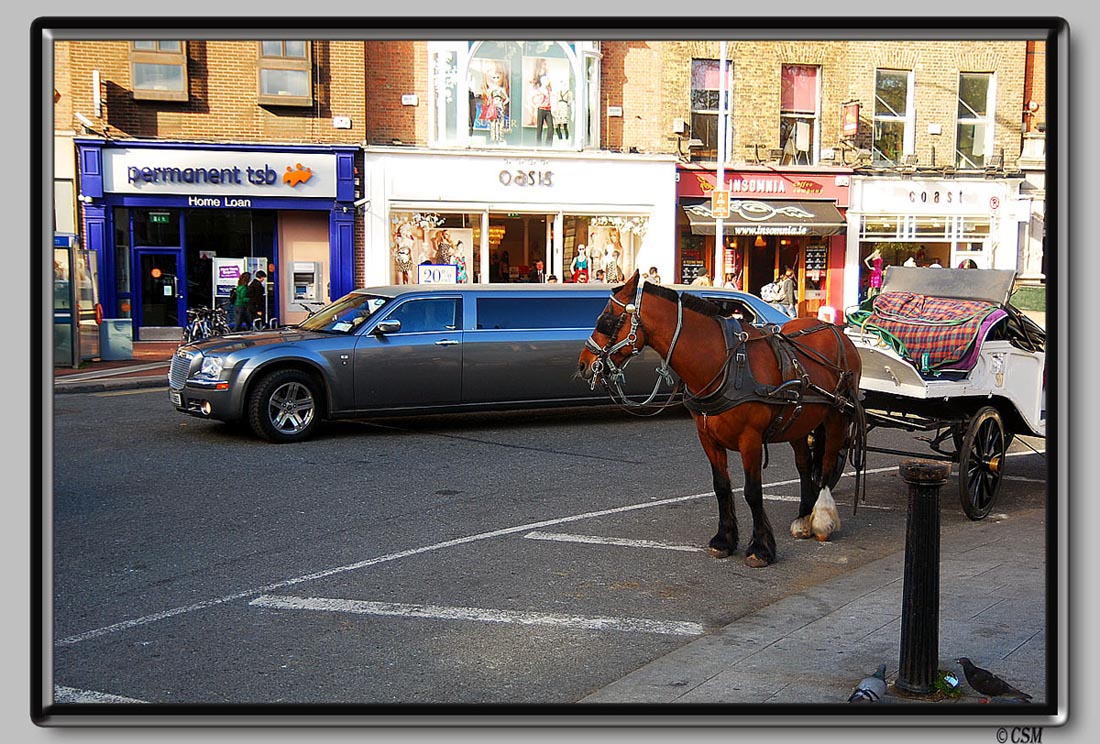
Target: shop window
<point x="484" y="93"/>
<point x="285" y="73"/>
<point x="974" y="135"/>
<point x="706" y="90"/>
<point x="893" y="118"/>
<point x="799" y="113"/>
<point x="435" y="239"/>
<point x="159" y="70"/>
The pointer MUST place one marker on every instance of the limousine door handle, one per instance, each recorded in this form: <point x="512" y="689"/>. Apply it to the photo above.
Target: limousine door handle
<point x="446" y="342"/>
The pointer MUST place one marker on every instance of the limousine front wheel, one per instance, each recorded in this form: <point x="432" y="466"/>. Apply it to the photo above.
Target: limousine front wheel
<point x="283" y="407"/>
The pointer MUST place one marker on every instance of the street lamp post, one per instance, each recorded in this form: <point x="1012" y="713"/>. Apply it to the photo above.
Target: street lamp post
<point x="719" y="241"/>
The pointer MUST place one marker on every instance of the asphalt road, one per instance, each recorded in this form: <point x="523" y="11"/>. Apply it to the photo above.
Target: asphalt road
<point x="496" y="558"/>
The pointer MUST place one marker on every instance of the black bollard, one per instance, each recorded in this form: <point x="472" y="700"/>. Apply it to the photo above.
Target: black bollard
<point x="920" y="602"/>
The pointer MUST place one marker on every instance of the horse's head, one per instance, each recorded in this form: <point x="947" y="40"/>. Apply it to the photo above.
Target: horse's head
<point x="618" y="334"/>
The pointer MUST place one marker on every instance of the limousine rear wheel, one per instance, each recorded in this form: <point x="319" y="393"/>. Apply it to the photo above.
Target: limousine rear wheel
<point x="284" y="406"/>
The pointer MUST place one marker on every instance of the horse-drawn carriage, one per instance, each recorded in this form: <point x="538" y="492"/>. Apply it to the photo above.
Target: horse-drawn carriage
<point x="944" y="352"/>
<point x="938" y="350"/>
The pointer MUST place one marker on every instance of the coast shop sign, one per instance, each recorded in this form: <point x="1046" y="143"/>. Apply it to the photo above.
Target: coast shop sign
<point x="219" y="173"/>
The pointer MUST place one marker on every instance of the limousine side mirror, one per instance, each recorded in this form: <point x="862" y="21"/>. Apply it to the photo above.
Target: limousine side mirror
<point x="387" y="326"/>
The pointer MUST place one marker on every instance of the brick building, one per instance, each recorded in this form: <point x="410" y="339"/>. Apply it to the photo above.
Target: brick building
<point x="335" y="164"/>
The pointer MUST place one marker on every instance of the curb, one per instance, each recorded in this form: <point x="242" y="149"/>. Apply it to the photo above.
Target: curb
<point x="104" y="385"/>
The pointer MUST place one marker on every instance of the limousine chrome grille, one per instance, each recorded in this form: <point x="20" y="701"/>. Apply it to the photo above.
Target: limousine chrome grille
<point x="181" y="365"/>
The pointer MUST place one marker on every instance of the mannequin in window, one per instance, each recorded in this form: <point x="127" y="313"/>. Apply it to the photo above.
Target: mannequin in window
<point x="495" y="105"/>
<point x="580" y="261"/>
<point x="874" y="263"/>
<point x="540" y="102"/>
<point x="561" y="107"/>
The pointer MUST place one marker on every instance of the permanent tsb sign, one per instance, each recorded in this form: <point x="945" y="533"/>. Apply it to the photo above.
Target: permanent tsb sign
<point x="219" y="175"/>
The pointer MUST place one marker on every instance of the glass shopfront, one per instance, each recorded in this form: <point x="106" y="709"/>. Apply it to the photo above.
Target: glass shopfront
<point x="422" y="242"/>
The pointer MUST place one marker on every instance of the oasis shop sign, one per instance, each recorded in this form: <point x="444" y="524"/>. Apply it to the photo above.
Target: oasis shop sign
<point x="219" y="173"/>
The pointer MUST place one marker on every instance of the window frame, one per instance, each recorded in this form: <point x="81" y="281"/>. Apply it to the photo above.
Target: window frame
<point x="908" y="120"/>
<point x="283" y="62"/>
<point x="794" y="115"/>
<point x="707" y="152"/>
<point x="159" y="57"/>
<point x="989" y="121"/>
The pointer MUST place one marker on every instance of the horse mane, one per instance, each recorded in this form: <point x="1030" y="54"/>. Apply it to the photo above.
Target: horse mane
<point x="691" y="302"/>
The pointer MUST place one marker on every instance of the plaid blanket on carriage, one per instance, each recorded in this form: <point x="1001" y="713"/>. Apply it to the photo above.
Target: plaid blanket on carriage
<point x="933" y="333"/>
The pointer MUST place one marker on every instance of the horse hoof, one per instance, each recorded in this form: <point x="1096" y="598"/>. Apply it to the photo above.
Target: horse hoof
<point x="717" y="553"/>
<point x="822" y="538"/>
<point x="754" y="561"/>
<point x="800" y="528"/>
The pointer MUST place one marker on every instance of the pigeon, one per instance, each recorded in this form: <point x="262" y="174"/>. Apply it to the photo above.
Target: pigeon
<point x="988" y="683"/>
<point x="871" y="689"/>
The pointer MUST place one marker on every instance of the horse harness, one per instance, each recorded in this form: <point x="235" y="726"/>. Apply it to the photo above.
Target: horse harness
<point x="739" y="385"/>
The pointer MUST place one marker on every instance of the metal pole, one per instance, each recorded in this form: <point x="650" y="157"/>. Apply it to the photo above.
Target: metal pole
<point x="920" y="602"/>
<point x="719" y="238"/>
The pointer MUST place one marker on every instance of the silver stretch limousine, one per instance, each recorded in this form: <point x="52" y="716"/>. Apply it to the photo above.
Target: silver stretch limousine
<point x="413" y="349"/>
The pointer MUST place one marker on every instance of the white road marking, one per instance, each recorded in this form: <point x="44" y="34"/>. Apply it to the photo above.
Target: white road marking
<point x="73" y="695"/>
<point x="95" y="374"/>
<point x="138" y="391"/>
<point x="184" y="609"/>
<point x="478" y="614"/>
<point x="619" y="541"/>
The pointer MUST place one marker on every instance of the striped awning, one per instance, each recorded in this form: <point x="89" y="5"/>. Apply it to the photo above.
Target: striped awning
<point x="763" y="217"/>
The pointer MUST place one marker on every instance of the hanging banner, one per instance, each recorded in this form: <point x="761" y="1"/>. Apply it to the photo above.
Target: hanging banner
<point x="849" y="119"/>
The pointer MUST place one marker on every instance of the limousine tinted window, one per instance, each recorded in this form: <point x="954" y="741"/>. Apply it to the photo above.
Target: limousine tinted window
<point x="513" y="313"/>
<point x="426" y="315"/>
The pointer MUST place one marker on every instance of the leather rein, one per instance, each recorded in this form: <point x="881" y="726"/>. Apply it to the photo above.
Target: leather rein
<point x="613" y="376"/>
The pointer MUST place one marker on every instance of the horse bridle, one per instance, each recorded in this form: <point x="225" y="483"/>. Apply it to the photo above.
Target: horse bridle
<point x="615" y="375"/>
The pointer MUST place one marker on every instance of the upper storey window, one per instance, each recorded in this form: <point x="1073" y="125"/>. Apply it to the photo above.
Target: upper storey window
<point x="894" y="122"/>
<point x="799" y="113"/>
<point x="974" y="136"/>
<point x="706" y="95"/>
<point x="159" y="70"/>
<point x="285" y="74"/>
<point x="522" y="94"/>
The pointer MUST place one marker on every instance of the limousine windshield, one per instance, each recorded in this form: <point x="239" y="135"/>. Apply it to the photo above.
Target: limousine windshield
<point x="346" y="314"/>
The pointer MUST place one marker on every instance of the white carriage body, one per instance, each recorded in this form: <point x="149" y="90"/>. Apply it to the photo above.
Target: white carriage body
<point x="1002" y="371"/>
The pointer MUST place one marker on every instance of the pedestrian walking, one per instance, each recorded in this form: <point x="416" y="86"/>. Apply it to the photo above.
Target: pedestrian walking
<point x="257" y="299"/>
<point x="241" y="320"/>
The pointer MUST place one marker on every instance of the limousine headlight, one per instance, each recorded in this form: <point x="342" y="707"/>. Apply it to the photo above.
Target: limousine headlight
<point x="212" y="367"/>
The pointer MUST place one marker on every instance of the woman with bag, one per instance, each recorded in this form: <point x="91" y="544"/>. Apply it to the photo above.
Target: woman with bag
<point x="240" y="303"/>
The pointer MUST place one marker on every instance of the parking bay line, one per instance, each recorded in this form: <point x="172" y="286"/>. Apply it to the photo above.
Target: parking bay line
<point x="72" y="695"/>
<point x="618" y="541"/>
<point x="325" y="573"/>
<point x="479" y="614"/>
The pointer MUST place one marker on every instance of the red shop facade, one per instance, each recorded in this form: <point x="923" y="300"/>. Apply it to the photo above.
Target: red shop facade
<point x="777" y="219"/>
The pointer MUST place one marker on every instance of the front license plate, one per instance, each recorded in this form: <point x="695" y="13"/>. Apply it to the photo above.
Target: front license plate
<point x="175" y="398"/>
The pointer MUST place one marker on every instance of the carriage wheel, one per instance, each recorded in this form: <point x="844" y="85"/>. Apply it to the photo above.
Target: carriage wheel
<point x="982" y="462"/>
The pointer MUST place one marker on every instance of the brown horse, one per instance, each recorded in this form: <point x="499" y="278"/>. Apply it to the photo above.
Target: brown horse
<point x="745" y="387"/>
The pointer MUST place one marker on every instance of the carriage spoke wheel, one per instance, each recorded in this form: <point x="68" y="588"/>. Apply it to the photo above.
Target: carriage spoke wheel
<point x="982" y="462"/>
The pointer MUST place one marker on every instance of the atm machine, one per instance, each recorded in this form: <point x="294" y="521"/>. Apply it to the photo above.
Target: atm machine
<point x="306" y="286"/>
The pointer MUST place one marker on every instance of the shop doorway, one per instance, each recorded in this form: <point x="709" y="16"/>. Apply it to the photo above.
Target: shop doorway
<point x="161" y="293"/>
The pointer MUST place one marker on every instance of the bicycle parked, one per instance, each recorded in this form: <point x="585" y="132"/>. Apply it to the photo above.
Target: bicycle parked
<point x="204" y="322"/>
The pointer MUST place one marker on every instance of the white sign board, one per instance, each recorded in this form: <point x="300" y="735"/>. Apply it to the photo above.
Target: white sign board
<point x="436" y="274"/>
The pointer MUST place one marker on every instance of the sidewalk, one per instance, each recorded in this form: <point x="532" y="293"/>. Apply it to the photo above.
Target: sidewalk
<point x="815" y="646"/>
<point x="148" y="368"/>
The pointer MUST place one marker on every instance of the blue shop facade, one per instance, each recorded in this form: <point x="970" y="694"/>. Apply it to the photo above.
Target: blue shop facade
<point x="172" y="223"/>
